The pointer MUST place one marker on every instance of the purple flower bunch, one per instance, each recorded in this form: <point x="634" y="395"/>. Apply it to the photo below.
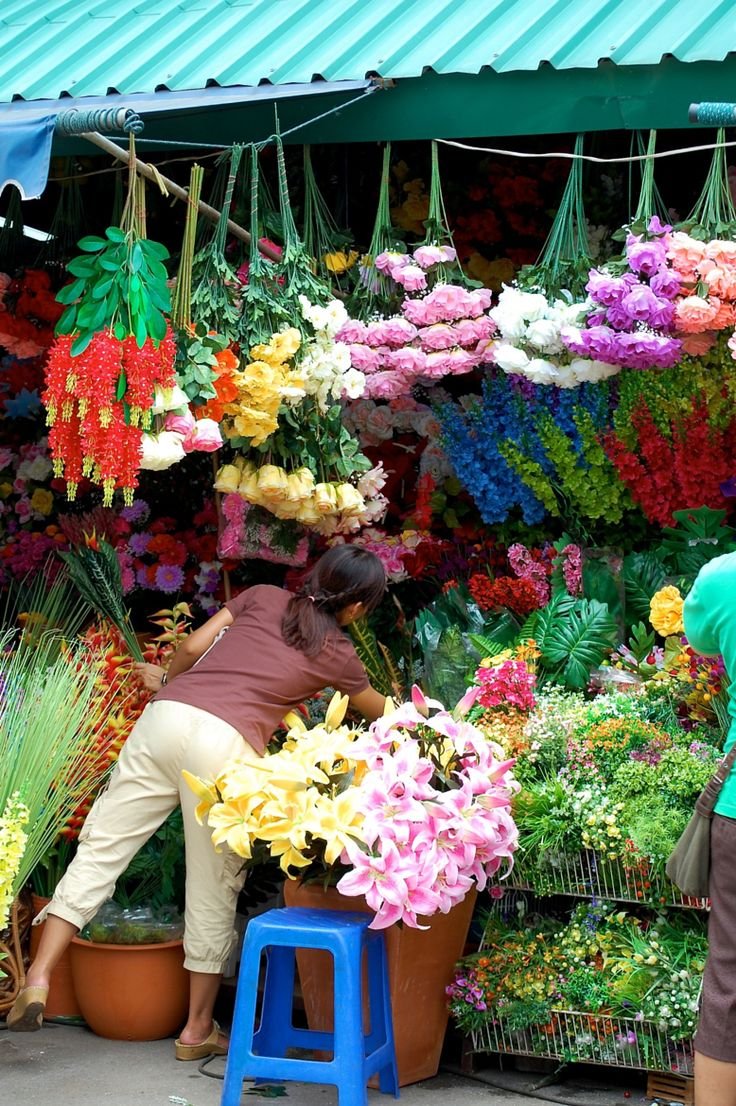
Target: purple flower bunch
<point x="442" y="332"/>
<point x="633" y="314"/>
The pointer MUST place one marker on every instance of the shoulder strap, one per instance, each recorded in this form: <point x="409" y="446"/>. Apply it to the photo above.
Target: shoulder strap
<point x="709" y="795"/>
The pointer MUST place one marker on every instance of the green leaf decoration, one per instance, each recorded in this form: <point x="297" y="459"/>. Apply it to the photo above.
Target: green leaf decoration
<point x="366" y="646"/>
<point x="66" y="323"/>
<point x="154" y="249"/>
<point x="576" y="639"/>
<point x="486" y="646"/>
<point x="82" y="266"/>
<point x="698" y="537"/>
<point x="91" y="244"/>
<point x="70" y="292"/>
<point x="115" y="234"/>
<point x="80" y="344"/>
<point x="528" y="631"/>
<point x="140" y="331"/>
<point x="95" y="570"/>
<point x="644" y="575"/>
<point x="121" y="386"/>
<point x="641" y="642"/>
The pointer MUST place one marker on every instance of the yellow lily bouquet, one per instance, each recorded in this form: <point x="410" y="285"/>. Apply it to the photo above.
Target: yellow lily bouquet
<point x="409" y="814"/>
<point x="301" y="801"/>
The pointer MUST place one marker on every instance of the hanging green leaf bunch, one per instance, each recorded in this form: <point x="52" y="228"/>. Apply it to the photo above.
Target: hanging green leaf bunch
<point x="120" y="281"/>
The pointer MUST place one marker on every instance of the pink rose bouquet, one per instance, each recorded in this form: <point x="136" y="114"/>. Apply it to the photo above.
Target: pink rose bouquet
<point x="443" y="329"/>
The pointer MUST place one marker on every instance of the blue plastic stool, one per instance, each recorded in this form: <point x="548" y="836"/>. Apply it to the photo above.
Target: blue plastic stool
<point x="261" y="1054"/>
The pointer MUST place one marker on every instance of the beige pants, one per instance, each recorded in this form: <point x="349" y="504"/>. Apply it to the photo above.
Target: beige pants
<point x="145" y="786"/>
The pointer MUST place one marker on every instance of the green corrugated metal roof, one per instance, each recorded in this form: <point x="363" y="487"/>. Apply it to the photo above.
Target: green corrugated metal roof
<point x="52" y="48"/>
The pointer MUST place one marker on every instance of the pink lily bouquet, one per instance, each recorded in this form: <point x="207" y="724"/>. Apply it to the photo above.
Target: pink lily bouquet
<point x="409" y="814"/>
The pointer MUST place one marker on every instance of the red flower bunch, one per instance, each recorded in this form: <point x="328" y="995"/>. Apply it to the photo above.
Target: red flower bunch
<point x="509" y="684"/>
<point x="28" y="312"/>
<point x="98" y="405"/>
<point x="667" y="473"/>
<point x="518" y="595"/>
<point x="118" y="700"/>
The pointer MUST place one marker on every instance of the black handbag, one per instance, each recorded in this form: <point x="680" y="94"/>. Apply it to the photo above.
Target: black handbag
<point x="688" y="865"/>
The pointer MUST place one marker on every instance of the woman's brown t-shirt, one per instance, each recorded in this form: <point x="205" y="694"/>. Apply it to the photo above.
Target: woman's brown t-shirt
<point x="251" y="678"/>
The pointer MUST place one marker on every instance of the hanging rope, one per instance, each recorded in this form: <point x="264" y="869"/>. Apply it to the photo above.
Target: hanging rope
<point x="107" y="120"/>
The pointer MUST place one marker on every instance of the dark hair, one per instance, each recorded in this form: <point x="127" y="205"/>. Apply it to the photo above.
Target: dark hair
<point x="344" y="575"/>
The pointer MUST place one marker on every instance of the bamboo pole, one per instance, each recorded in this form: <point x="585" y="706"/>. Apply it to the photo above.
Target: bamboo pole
<point x="175" y="189"/>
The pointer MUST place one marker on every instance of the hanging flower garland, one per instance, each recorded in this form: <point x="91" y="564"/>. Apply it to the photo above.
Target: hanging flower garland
<point x="702" y="252"/>
<point x="632" y="321"/>
<point x="530" y="340"/>
<point x="442" y="329"/>
<point x="113" y="354"/>
<point x="295" y="458"/>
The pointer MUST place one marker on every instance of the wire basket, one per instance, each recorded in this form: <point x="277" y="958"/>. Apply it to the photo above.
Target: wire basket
<point x="587" y="875"/>
<point x="590" y="1038"/>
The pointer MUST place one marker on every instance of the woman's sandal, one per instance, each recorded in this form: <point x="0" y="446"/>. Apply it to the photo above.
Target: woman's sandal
<point x="26" y="1013"/>
<point x="209" y="1047"/>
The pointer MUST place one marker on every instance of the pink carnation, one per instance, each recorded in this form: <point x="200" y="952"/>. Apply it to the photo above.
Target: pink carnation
<point x="364" y="359"/>
<point x="352" y="331"/>
<point x="409" y="360"/>
<point x="438" y="336"/>
<point x="385" y="385"/>
<point x="399" y="332"/>
<point x="410" y="277"/>
<point x="695" y="313"/>
<point x="427" y="256"/>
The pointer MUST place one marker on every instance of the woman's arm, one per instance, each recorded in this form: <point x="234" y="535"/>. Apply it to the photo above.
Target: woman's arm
<point x="194" y="646"/>
<point x="370" y="703"/>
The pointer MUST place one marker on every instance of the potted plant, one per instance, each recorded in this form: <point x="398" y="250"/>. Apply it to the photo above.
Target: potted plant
<point x="128" y="973"/>
<point x="127" y="964"/>
<point x="404" y="820"/>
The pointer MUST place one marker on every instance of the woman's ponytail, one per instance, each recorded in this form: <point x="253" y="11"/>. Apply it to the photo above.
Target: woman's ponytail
<point x="346" y="574"/>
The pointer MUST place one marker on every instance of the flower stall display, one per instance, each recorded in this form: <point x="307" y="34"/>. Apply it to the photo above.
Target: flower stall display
<point x="533" y="340"/>
<point x="287" y="409"/>
<point x="442" y="329"/>
<point x="603" y="985"/>
<point x="28" y="504"/>
<point x="631" y="319"/>
<point x="535" y="450"/>
<point x="410" y="814"/>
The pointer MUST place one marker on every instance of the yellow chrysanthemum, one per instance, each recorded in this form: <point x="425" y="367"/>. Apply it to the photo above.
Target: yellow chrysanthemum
<point x="666" y="611"/>
<point x="339" y="261"/>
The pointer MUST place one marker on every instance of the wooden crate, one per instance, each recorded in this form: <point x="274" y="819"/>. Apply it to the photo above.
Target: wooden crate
<point x="668" y="1087"/>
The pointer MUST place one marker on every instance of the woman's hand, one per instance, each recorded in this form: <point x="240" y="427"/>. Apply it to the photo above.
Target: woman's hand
<point x="150" y="675"/>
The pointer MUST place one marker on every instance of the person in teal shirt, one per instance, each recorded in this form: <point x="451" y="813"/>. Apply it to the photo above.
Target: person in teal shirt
<point x="709" y="618"/>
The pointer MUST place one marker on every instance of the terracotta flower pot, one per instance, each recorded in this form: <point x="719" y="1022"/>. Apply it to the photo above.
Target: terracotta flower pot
<point x="62" y="1000"/>
<point x="420" y="966"/>
<point x="131" y="992"/>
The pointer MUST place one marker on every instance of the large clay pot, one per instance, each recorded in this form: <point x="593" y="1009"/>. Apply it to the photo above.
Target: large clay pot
<point x="131" y="992"/>
<point x="420" y="967"/>
<point x="62" y="1000"/>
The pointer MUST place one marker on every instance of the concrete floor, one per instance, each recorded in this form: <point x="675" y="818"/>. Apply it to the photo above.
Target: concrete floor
<point x="69" y="1066"/>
